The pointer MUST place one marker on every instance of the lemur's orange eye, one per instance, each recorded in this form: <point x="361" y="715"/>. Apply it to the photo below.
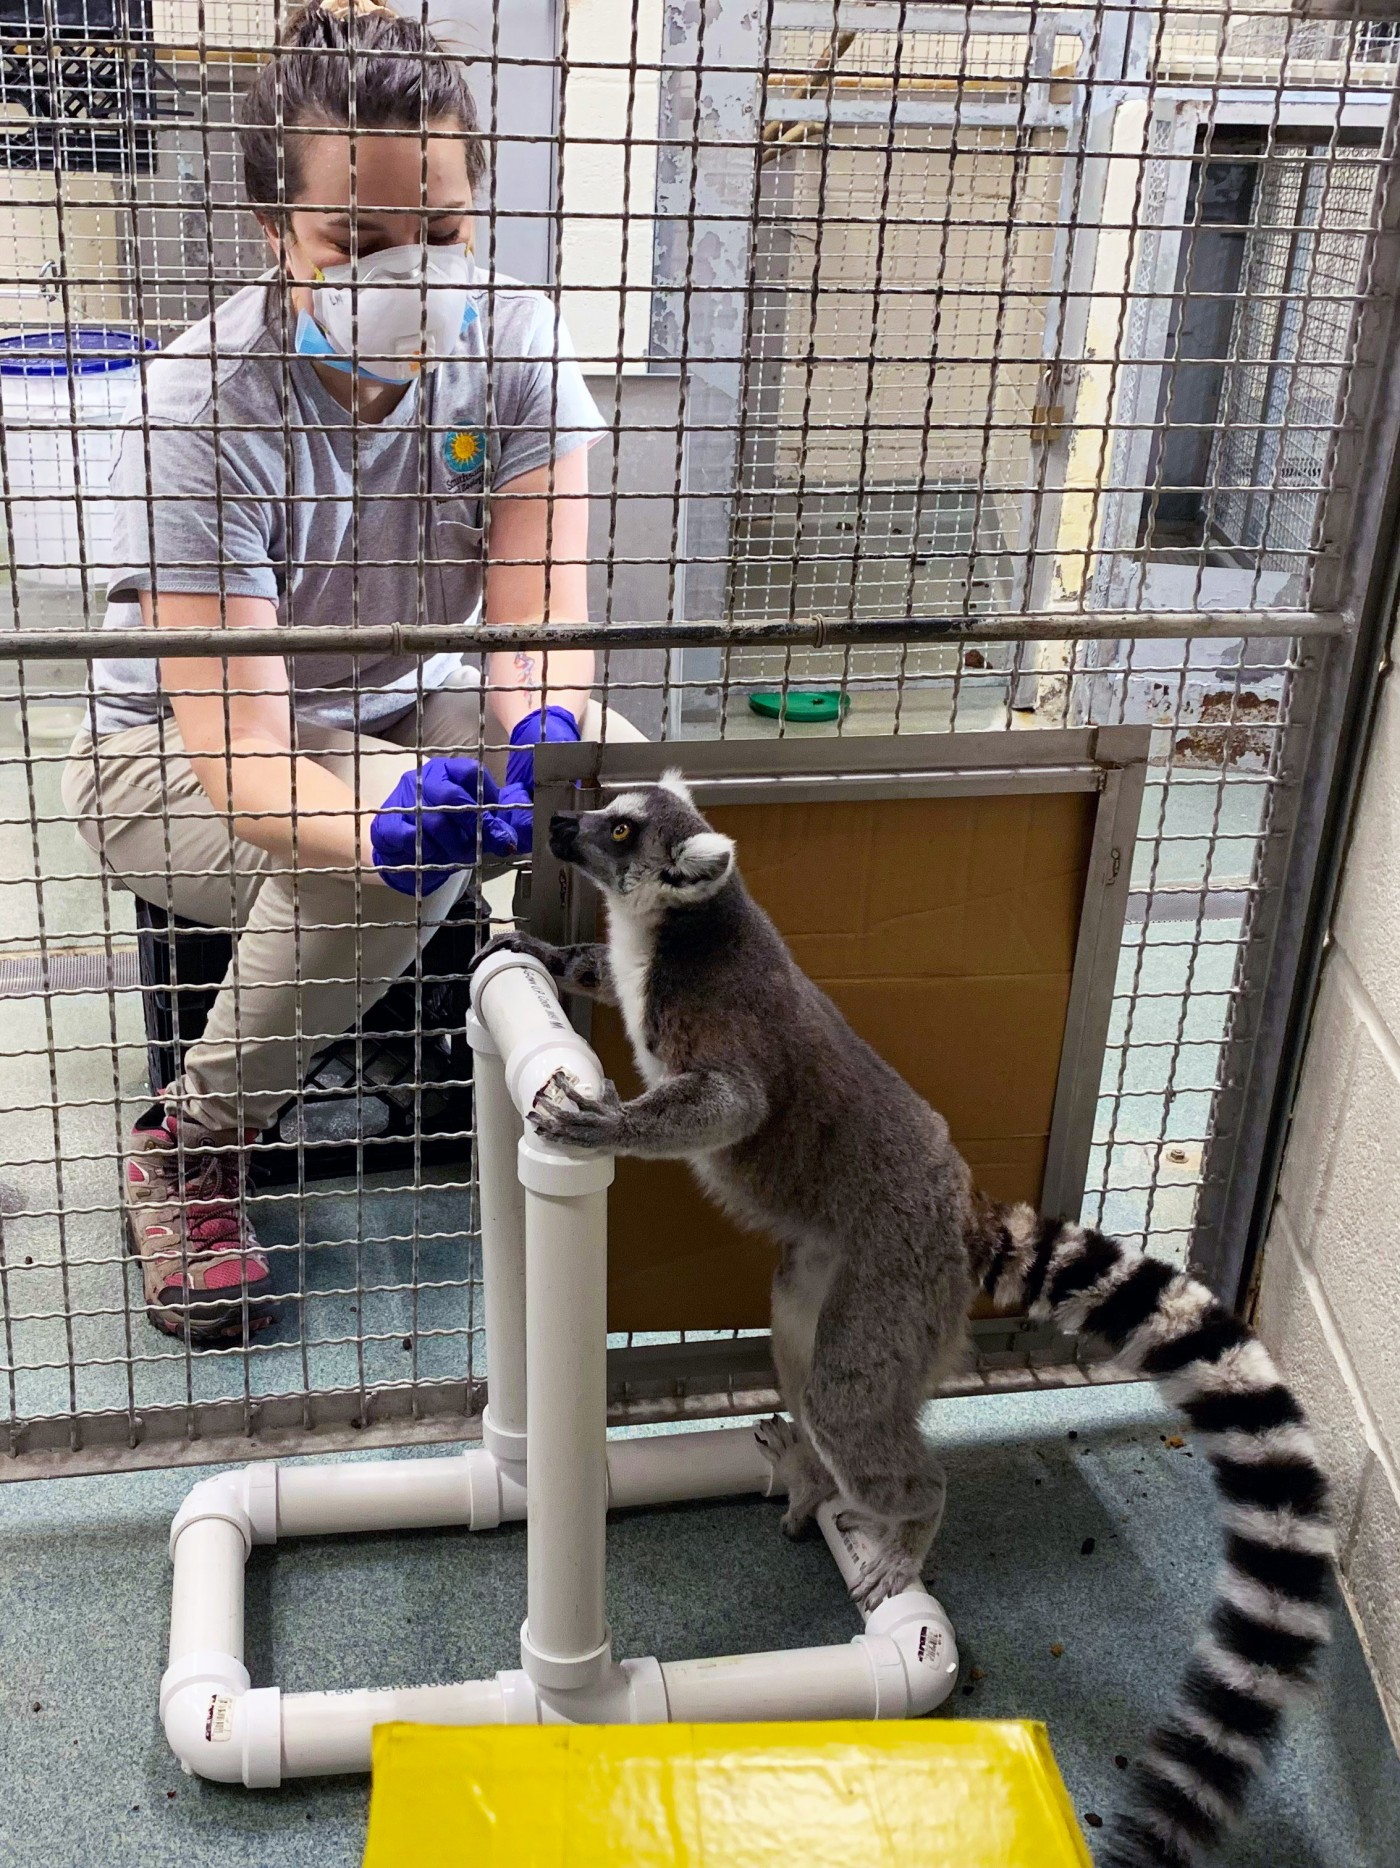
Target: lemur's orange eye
<point x="621" y="831"/>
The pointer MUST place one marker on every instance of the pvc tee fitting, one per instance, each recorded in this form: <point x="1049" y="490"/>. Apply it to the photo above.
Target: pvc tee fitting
<point x="518" y="1004"/>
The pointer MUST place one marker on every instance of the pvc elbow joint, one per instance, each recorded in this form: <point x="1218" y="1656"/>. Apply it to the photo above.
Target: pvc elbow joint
<point x="246" y="1499"/>
<point x="219" y="1725"/>
<point x="517" y="1004"/>
<point x="913" y="1655"/>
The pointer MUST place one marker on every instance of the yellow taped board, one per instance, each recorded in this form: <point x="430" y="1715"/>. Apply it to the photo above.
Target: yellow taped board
<point x="949" y="1793"/>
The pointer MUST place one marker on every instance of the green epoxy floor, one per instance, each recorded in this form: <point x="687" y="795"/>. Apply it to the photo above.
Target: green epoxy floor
<point x="87" y="1779"/>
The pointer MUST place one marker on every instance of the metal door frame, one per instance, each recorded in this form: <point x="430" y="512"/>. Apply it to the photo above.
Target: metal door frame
<point x="1319" y="771"/>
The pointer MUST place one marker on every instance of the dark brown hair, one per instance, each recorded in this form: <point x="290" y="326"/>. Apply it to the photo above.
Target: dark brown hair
<point x="402" y="79"/>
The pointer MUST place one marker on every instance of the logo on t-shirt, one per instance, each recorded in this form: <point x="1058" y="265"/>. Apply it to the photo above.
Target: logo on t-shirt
<point x="464" y="452"/>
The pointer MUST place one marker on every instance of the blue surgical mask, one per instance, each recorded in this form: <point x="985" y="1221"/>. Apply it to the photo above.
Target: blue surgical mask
<point x="311" y="341"/>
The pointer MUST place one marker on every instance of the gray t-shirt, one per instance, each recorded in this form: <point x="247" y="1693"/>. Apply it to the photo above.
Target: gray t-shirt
<point x="239" y="477"/>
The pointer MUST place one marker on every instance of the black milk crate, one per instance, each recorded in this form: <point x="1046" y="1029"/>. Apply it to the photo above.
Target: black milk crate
<point x="396" y="1089"/>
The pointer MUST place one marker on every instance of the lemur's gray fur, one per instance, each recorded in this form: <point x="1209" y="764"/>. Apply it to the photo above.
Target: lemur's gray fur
<point x="798" y="1129"/>
<point x="752" y="1077"/>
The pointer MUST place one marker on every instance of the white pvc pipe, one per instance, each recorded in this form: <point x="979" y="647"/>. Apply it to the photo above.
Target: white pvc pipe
<point x="226" y="1731"/>
<point x="800" y="1683"/>
<point x="498" y="1131"/>
<point x="207" y="1590"/>
<point x="518" y="1003"/>
<point x="904" y="1665"/>
<point x="219" y="1725"/>
<point x="564" y="1643"/>
<point x="565" y="1640"/>
<point x="665" y="1469"/>
<point x="387" y="1495"/>
<point x="222" y="1516"/>
<point x="332" y="1732"/>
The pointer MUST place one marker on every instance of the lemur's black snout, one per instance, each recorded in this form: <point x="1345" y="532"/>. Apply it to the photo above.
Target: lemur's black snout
<point x="563" y="835"/>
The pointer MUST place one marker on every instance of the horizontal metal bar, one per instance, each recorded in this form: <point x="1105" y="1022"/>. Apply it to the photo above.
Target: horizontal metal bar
<point x="855" y="756"/>
<point x="377" y="639"/>
<point x="206" y="1433"/>
<point x="1188" y="904"/>
<point x="647" y="1383"/>
<point x="336" y="1420"/>
<point x="878" y="787"/>
<point x="1335" y="109"/>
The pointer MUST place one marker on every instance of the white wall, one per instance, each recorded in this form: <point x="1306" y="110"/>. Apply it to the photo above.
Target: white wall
<point x="1330" y="1299"/>
<point x="30" y="226"/>
<point x="605" y="265"/>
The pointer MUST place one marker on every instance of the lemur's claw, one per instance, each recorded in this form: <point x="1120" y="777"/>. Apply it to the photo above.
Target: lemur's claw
<point x="888" y="1573"/>
<point x="512" y="941"/>
<point x="560" y="1092"/>
<point x="563" y="1112"/>
<point x="779" y="1441"/>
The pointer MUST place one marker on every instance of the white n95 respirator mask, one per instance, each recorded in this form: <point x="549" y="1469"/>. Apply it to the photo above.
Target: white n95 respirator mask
<point x="377" y="311"/>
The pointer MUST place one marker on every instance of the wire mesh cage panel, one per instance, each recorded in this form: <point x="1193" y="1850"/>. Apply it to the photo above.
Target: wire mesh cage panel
<point x="1304" y="259"/>
<point x="868" y="482"/>
<point x="375" y="381"/>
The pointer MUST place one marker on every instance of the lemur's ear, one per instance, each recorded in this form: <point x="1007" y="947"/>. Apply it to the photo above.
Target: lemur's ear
<point x="700" y="864"/>
<point x="673" y="782"/>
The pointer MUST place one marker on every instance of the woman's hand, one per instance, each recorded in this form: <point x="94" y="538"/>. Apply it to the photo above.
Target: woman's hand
<point x="435" y="822"/>
<point x="546" y="725"/>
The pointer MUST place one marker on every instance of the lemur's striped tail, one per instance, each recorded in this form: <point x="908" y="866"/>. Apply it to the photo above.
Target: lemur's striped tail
<point x="1270" y="1620"/>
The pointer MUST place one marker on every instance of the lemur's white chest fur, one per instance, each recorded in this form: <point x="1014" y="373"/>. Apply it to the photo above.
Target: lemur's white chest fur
<point x="696" y="867"/>
<point x="631" y="932"/>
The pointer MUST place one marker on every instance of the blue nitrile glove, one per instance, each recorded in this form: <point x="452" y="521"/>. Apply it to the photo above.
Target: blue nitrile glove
<point x="548" y="725"/>
<point x="517" y="813"/>
<point x="430" y="826"/>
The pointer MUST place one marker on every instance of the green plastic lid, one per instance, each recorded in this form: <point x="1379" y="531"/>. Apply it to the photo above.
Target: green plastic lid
<point x="803" y="707"/>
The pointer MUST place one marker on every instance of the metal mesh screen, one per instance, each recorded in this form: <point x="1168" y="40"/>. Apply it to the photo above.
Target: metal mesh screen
<point x="975" y="366"/>
<point x="1303" y="266"/>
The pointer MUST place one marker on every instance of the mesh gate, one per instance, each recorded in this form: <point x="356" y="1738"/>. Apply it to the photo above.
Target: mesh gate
<point x="984" y="367"/>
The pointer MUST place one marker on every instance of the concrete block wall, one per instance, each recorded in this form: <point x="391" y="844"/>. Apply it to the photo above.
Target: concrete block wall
<point x="1329" y="1304"/>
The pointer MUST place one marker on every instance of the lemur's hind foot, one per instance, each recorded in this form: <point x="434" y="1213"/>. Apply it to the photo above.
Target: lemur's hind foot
<point x="895" y="1555"/>
<point x="807" y="1482"/>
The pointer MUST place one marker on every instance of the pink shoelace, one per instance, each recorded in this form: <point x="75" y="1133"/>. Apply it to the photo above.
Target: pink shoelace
<point x="212" y="1188"/>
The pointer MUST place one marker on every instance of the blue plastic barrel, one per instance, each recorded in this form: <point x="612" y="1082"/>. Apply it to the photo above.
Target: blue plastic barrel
<point x="56" y="384"/>
<point x="90" y="350"/>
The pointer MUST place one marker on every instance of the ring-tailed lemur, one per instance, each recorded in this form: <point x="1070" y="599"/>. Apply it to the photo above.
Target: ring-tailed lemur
<point x="797" y="1128"/>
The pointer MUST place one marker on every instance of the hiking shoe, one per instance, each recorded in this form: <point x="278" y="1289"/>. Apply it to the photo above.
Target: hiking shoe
<point x="183" y="1201"/>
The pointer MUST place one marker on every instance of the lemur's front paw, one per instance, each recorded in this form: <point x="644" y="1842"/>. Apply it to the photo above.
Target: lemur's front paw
<point x="564" y="1113"/>
<point x="513" y="941"/>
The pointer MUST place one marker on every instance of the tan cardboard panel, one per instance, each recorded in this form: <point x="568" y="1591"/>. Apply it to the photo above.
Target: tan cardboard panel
<point x="945" y="930"/>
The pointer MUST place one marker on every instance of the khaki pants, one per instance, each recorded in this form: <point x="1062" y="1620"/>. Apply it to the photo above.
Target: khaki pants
<point x="314" y="949"/>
